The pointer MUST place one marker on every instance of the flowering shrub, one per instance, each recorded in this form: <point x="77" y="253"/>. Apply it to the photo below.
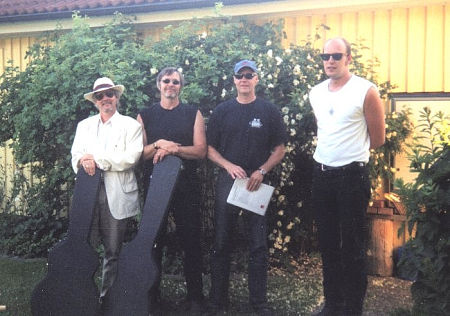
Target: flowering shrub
<point x="48" y="97"/>
<point x="427" y="201"/>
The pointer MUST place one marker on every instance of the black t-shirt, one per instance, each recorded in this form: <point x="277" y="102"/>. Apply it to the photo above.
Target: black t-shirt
<point x="245" y="134"/>
<point x="176" y="125"/>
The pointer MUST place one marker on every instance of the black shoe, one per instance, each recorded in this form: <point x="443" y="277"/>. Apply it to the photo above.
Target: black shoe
<point x="263" y="311"/>
<point x="327" y="311"/>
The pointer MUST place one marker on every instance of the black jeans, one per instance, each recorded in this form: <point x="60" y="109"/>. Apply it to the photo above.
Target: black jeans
<point x="111" y="232"/>
<point x="225" y="220"/>
<point x="185" y="206"/>
<point x="340" y="200"/>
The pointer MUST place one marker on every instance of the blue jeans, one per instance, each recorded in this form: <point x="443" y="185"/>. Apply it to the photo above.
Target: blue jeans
<point x="340" y="199"/>
<point x="225" y="220"/>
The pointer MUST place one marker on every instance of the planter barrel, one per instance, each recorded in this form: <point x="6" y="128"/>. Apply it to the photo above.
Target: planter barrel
<point x="384" y="239"/>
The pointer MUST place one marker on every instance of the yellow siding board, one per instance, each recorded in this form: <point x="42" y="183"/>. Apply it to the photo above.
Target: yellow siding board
<point x="333" y="21"/>
<point x="381" y="43"/>
<point x="365" y="33"/>
<point x="434" y="49"/>
<point x="349" y="26"/>
<point x="446" y="40"/>
<point x="416" y="51"/>
<point x="398" y="48"/>
<point x="316" y="22"/>
<point x="290" y="26"/>
<point x="2" y="58"/>
<point x="304" y="30"/>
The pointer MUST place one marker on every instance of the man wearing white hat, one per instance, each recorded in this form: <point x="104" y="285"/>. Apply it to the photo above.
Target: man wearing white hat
<point x="112" y="143"/>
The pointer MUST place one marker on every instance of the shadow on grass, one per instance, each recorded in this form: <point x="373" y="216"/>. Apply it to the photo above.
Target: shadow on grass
<point x="288" y="294"/>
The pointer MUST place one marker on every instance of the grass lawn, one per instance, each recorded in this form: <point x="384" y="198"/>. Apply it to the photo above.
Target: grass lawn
<point x="294" y="292"/>
<point x="17" y="279"/>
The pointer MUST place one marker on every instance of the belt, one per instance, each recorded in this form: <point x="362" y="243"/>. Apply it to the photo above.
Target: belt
<point x="352" y="165"/>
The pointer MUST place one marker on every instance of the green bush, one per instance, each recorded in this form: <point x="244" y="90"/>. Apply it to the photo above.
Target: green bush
<point x="427" y="201"/>
<point x="40" y="107"/>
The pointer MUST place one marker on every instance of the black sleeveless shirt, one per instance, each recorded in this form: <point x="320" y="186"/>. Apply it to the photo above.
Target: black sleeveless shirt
<point x="176" y="125"/>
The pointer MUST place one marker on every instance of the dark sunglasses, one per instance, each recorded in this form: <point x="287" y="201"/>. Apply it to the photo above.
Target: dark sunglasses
<point x="336" y="56"/>
<point x="99" y="95"/>
<point x="174" y="81"/>
<point x="247" y="76"/>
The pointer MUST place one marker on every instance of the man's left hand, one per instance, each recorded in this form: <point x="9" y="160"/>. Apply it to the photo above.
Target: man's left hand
<point x="255" y="181"/>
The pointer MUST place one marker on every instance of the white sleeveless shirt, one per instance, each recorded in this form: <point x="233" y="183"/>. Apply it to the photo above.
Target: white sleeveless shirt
<point x="342" y="135"/>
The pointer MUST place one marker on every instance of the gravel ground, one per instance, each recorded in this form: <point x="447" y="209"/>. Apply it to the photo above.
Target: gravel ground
<point x="386" y="294"/>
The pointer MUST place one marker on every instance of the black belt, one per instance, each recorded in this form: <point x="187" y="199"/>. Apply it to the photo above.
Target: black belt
<point x="352" y="165"/>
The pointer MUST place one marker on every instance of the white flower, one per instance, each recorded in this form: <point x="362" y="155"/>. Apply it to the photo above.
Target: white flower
<point x="224" y="77"/>
<point x="297" y="70"/>
<point x="279" y="60"/>
<point x="186" y="62"/>
<point x="285" y="110"/>
<point x="293" y="132"/>
<point x="288" y="51"/>
<point x="268" y="43"/>
<point x="224" y="92"/>
<point x="153" y="70"/>
<point x="270" y="53"/>
<point x="270" y="86"/>
<point x="180" y="70"/>
<point x="286" y="119"/>
<point x="305" y="96"/>
<point x="299" y="116"/>
<point x="269" y="77"/>
<point x="204" y="35"/>
<point x="296" y="82"/>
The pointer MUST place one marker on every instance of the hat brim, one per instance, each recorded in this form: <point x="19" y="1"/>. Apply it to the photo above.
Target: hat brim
<point x="90" y="96"/>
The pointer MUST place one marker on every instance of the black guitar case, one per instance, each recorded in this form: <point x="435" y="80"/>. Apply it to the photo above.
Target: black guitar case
<point x="69" y="288"/>
<point x="137" y="270"/>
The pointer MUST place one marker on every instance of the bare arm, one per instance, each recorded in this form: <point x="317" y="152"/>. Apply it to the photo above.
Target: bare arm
<point x="162" y="147"/>
<point x="233" y="170"/>
<point x="149" y="150"/>
<point x="374" y="115"/>
<point x="198" y="149"/>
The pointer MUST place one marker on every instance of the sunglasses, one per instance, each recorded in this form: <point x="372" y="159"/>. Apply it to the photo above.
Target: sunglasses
<point x="174" y="81"/>
<point x="247" y="76"/>
<point x="99" y="95"/>
<point x="336" y="56"/>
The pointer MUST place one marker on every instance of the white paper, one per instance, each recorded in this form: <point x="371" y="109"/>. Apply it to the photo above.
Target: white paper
<point x="255" y="201"/>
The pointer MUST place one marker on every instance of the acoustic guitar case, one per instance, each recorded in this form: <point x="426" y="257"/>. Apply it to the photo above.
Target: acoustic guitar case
<point x="137" y="270"/>
<point x="69" y="288"/>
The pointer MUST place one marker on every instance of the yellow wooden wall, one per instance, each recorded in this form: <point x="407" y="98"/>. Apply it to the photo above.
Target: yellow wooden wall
<point x="11" y="49"/>
<point x="412" y="44"/>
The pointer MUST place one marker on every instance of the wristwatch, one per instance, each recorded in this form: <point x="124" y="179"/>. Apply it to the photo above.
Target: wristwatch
<point x="262" y="171"/>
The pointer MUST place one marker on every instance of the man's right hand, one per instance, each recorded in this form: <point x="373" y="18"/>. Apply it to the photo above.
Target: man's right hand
<point x="235" y="171"/>
<point x="88" y="164"/>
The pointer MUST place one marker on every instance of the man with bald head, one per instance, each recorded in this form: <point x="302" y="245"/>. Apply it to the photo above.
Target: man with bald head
<point x="350" y="122"/>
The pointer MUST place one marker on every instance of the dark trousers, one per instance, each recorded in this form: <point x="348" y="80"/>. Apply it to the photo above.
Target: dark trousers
<point x="225" y="220"/>
<point x="111" y="232"/>
<point x="185" y="207"/>
<point x="340" y="200"/>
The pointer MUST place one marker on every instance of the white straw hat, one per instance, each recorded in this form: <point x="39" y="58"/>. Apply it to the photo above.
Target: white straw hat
<point x="102" y="84"/>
